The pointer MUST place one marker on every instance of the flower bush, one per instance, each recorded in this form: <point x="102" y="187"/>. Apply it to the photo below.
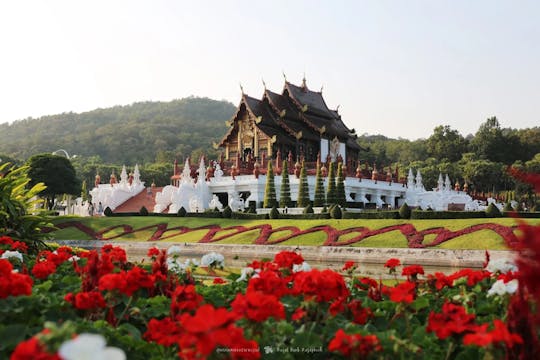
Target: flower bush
<point x="278" y="309"/>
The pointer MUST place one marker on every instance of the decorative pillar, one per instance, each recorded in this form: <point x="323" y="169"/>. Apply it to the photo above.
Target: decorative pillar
<point x="269" y="147"/>
<point x="256" y="145"/>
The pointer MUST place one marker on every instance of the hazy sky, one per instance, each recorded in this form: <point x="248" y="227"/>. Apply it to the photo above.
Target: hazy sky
<point x="397" y="68"/>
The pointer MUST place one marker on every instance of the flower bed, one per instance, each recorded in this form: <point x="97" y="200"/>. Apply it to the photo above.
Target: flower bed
<point x="264" y="233"/>
<point x="278" y="309"/>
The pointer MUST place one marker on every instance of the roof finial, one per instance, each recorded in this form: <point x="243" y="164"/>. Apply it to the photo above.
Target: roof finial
<point x="337" y="109"/>
<point x="322" y="88"/>
<point x="284" y="76"/>
<point x="304" y="86"/>
<point x="241" y="88"/>
<point x="264" y="84"/>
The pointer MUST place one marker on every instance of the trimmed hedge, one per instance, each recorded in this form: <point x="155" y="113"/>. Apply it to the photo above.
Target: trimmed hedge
<point x="305" y="216"/>
<point x="524" y="215"/>
<point x="248" y="216"/>
<point x="210" y="214"/>
<point x="419" y="214"/>
<point x="394" y="214"/>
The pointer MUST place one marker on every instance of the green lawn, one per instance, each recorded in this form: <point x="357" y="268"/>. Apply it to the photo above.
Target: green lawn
<point x="175" y="230"/>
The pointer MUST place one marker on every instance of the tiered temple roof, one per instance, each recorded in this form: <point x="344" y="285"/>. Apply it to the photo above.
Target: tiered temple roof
<point x="296" y="120"/>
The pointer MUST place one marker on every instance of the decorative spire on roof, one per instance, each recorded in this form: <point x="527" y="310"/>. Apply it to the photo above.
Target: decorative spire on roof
<point x="284" y="76"/>
<point x="241" y="88"/>
<point x="264" y="84"/>
<point x="322" y="86"/>
<point x="304" y="85"/>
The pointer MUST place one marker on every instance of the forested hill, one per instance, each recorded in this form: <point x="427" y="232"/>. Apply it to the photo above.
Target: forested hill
<point x="141" y="132"/>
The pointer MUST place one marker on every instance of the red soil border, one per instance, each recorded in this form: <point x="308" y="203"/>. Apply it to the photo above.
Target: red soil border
<point x="415" y="238"/>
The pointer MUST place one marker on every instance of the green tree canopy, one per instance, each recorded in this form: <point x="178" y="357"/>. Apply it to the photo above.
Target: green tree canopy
<point x="56" y="172"/>
<point x="446" y="143"/>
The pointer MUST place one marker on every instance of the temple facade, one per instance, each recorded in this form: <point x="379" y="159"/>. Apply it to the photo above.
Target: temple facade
<point x="296" y="124"/>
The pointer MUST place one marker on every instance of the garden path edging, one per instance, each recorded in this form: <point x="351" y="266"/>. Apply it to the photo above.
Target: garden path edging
<point x="371" y="260"/>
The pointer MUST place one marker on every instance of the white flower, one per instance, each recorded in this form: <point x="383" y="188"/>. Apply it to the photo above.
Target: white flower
<point x="175" y="265"/>
<point x="245" y="272"/>
<point x="500" y="288"/>
<point x="74" y="258"/>
<point x="501" y="265"/>
<point x="89" y="347"/>
<point x="212" y="259"/>
<point x="174" y="250"/>
<point x="301" y="267"/>
<point x="12" y="254"/>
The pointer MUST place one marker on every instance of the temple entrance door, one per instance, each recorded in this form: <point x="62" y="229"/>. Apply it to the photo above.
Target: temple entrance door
<point x="247" y="154"/>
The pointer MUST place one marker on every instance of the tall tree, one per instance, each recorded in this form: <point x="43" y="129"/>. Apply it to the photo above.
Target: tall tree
<point x="270" y="188"/>
<point x="341" y="199"/>
<point x="331" y="187"/>
<point x="285" y="190"/>
<point x="489" y="142"/>
<point x="319" y="198"/>
<point x="303" y="189"/>
<point x="57" y="173"/>
<point x="446" y="143"/>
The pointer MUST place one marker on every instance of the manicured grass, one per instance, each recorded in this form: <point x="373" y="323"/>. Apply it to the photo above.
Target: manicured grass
<point x="175" y="228"/>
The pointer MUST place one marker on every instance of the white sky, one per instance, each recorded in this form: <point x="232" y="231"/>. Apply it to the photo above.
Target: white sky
<point x="397" y="68"/>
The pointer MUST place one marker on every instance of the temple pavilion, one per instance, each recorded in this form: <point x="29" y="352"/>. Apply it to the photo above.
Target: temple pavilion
<point x="296" y="124"/>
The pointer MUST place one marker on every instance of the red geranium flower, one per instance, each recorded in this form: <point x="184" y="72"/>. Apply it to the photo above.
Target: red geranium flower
<point x="356" y="344"/>
<point x="153" y="252"/>
<point x="218" y="281"/>
<point x="453" y="320"/>
<point x="184" y="298"/>
<point x="359" y="313"/>
<point x="298" y="314"/>
<point x="89" y="300"/>
<point x="258" y="306"/>
<point x="32" y="349"/>
<point x="286" y="259"/>
<point x="403" y="292"/>
<point x="473" y="276"/>
<point x="13" y="284"/>
<point x="440" y="280"/>
<point x="392" y="263"/>
<point x="323" y="285"/>
<point x="483" y="337"/>
<point x="269" y="282"/>
<point x="43" y="269"/>
<point x="165" y="332"/>
<point x="210" y="328"/>
<point x="348" y="265"/>
<point x="412" y="271"/>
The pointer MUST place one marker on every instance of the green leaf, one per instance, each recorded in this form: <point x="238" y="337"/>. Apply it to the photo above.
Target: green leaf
<point x="420" y="303"/>
<point x="11" y="335"/>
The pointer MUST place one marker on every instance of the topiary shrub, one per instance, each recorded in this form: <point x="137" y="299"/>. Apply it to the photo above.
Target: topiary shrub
<point x="508" y="207"/>
<point x="308" y="210"/>
<point x="336" y="213"/>
<point x="405" y="211"/>
<point x="108" y="212"/>
<point x="181" y="212"/>
<point x="143" y="211"/>
<point x="227" y="212"/>
<point x="274" y="213"/>
<point x="493" y="211"/>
